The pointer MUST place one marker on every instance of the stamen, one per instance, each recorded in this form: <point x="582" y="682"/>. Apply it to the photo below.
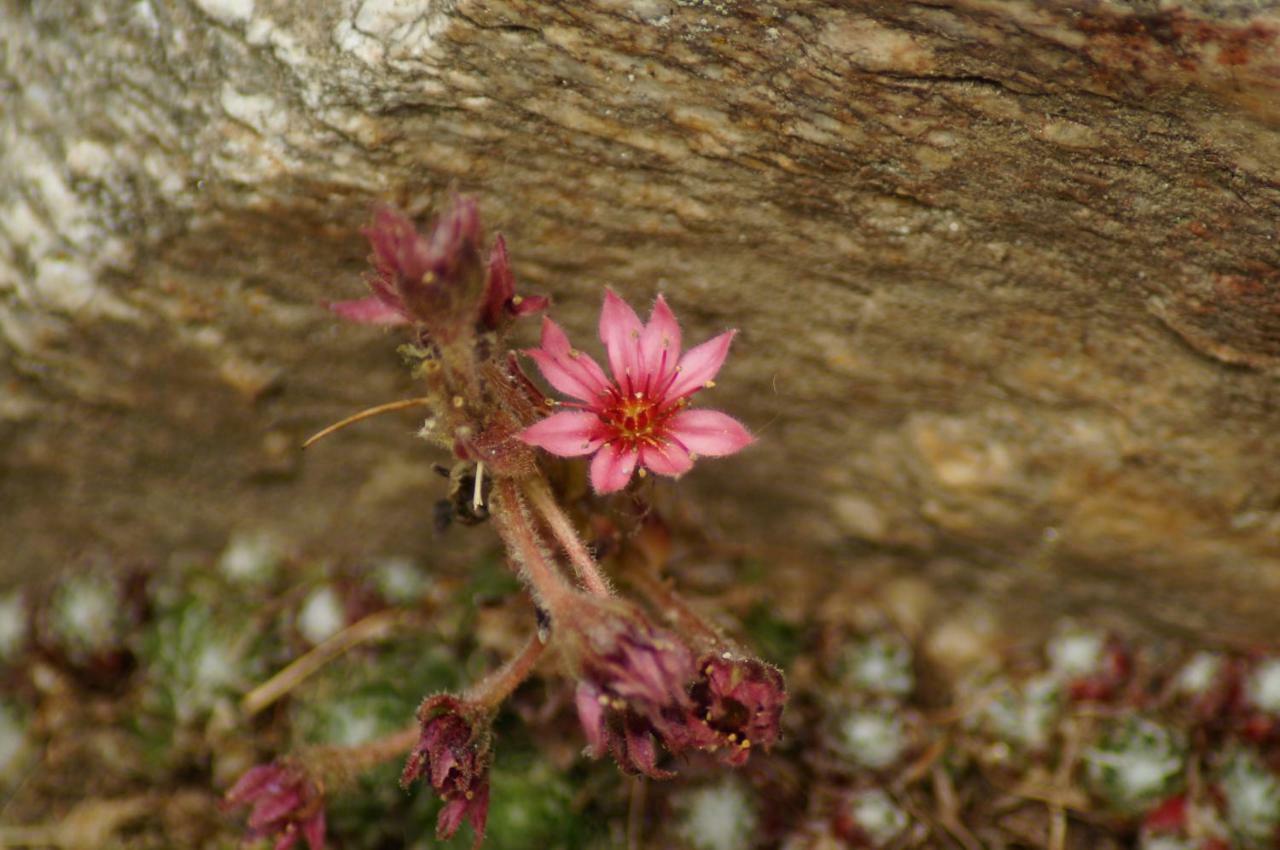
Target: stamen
<point x="458" y="401"/>
<point x="477" y="498"/>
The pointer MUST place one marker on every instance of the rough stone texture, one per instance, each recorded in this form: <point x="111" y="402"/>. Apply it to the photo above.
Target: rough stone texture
<point x="1006" y="271"/>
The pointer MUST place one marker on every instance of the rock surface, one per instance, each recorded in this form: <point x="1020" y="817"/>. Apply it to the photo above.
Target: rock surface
<point x="1006" y="272"/>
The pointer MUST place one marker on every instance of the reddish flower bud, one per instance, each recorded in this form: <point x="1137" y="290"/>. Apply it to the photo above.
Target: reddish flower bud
<point x="741" y="701"/>
<point x="434" y="278"/>
<point x="453" y="756"/>
<point x="283" y="801"/>
<point x="501" y="302"/>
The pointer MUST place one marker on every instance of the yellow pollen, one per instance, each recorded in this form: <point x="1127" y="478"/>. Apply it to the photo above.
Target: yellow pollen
<point x="515" y="300"/>
<point x="642" y="472"/>
<point x="457" y="401"/>
<point x="428" y="276"/>
<point x="470" y="794"/>
<point x="746" y="744"/>
<point x="574" y="353"/>
<point x="709" y="384"/>
<point x="733" y="739"/>
<point x="603" y="699"/>
<point x="550" y="402"/>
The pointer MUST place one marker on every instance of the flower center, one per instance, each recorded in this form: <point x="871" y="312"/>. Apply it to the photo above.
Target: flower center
<point x="635" y="418"/>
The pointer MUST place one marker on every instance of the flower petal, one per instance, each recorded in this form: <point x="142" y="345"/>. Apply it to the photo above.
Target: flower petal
<point x="668" y="458"/>
<point x="568" y="434"/>
<point x="500" y="284"/>
<point x="478" y="814"/>
<point x="659" y="346"/>
<point x="313" y="829"/>
<point x="450" y="818"/>
<point x="523" y="305"/>
<point x="254" y="780"/>
<point x="591" y="716"/>
<point x="571" y="372"/>
<point x="620" y="331"/>
<point x="642" y="753"/>
<point x="612" y="466"/>
<point x="369" y="311"/>
<point x="288" y="837"/>
<point x="709" y="432"/>
<point x="699" y="365"/>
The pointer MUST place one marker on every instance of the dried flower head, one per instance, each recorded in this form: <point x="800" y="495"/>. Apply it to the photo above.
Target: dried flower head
<point x="283" y="802"/>
<point x="453" y="756"/>
<point x="741" y="700"/>
<point x="641" y="417"/>
<point x="634" y="680"/>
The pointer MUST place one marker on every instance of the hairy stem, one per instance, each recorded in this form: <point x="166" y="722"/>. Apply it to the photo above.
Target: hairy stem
<point x="673" y="606"/>
<point x="374" y="627"/>
<point x="544" y="502"/>
<point x="492" y="690"/>
<point x="337" y="767"/>
<point x="511" y="517"/>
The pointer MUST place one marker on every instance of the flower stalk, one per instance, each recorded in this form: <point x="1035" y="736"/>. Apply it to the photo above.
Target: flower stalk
<point x="588" y="571"/>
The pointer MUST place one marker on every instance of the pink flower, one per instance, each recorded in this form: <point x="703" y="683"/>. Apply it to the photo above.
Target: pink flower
<point x="453" y="756"/>
<point x="283" y="801"/>
<point x="641" y="417"/>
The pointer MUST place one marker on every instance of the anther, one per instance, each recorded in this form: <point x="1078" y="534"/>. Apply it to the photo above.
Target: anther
<point x="709" y="384"/>
<point x="458" y="401"/>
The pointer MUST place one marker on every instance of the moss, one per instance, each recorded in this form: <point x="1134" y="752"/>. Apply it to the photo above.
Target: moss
<point x="777" y="640"/>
